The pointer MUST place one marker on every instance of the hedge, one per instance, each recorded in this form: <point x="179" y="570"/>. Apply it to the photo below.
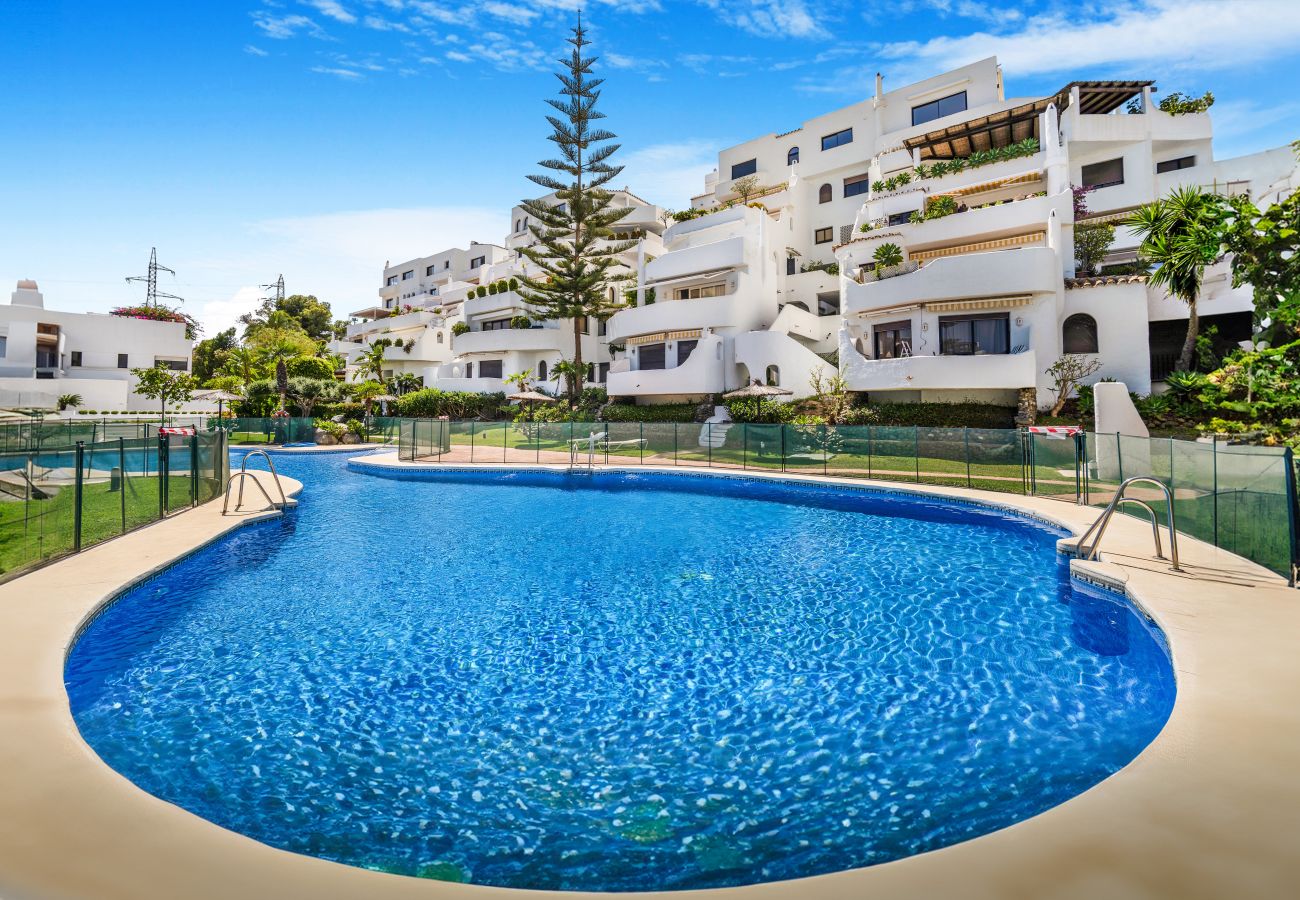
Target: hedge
<point x="430" y="403"/>
<point x="664" y="412"/>
<point x="937" y="415"/>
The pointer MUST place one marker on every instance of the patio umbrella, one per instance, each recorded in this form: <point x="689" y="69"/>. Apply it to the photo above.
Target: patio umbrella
<point x="530" y="397"/>
<point x="222" y="397"/>
<point x="758" y="391"/>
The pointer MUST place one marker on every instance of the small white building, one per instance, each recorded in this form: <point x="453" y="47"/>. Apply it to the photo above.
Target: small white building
<point x="45" y="353"/>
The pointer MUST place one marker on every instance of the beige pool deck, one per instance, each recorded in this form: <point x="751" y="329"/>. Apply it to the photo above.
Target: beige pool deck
<point x="1211" y="809"/>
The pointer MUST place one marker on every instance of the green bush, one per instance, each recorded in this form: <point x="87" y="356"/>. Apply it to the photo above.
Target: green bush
<point x="758" y="411"/>
<point x="521" y="322"/>
<point x="332" y="428"/>
<point x="430" y="403"/>
<point x="513" y="284"/>
<point x="310" y="367"/>
<point x="492" y="289"/>
<point x="460" y="328"/>
<point x="1027" y="147"/>
<point x="663" y="412"/>
<point x="935" y="415"/>
<point x="356" y="427"/>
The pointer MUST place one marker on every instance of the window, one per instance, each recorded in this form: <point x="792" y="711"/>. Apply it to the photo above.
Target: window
<point x="974" y="335"/>
<point x="439" y="337"/>
<point x="824" y="194"/>
<point x="893" y="340"/>
<point x="772" y="377"/>
<point x="446" y="265"/>
<point x="428" y="270"/>
<point x="701" y="291"/>
<point x="4" y="344"/>
<point x="791" y="266"/>
<point x="792" y="157"/>
<point x="489" y="368"/>
<point x="1173" y="165"/>
<point x="477" y="261"/>
<point x="469" y="370"/>
<point x="541" y="371"/>
<point x="740" y="170"/>
<point x="176" y="365"/>
<point x="900" y="218"/>
<point x="121" y="361"/>
<point x="408" y="274"/>
<point x="838" y="139"/>
<point x="603" y="372"/>
<point x="937" y="109"/>
<point x="684" y="349"/>
<point x="591" y="372"/>
<point x="519" y="226"/>
<point x="1104" y="174"/>
<point x="858" y="184"/>
<point x="496" y="325"/>
<point x="1079" y="334"/>
<point x="824" y="235"/>
<point x="602" y="327"/>
<point x="76" y="357"/>
<point x="650" y="356"/>
<point x="392" y="280"/>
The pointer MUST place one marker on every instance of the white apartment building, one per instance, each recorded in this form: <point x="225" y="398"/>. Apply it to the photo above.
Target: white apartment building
<point x="45" y="353"/>
<point x="986" y="296"/>
<point x="423" y="303"/>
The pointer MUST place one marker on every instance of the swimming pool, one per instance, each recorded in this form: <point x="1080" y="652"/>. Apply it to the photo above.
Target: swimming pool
<point x="617" y="682"/>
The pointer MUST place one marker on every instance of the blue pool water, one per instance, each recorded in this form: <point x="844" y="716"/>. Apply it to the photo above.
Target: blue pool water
<point x="617" y="682"/>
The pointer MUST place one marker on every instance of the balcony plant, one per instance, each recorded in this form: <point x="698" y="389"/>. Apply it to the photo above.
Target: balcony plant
<point x="159" y="314"/>
<point x="1179" y="104"/>
<point x="521" y="322"/>
<point x="830" y="268"/>
<point x="936" y="208"/>
<point x="492" y="289"/>
<point x="66" y="400"/>
<point x="1027" y="147"/>
<point x="887" y="256"/>
<point x="459" y="328"/>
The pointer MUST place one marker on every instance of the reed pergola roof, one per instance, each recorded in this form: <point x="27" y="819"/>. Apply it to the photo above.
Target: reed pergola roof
<point x="1096" y="98"/>
<point x="999" y="129"/>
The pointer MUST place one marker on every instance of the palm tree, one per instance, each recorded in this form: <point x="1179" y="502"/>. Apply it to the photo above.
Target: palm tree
<point x="371" y="360"/>
<point x="1182" y="234"/>
<point x="244" y="363"/>
<point x="279" y="354"/>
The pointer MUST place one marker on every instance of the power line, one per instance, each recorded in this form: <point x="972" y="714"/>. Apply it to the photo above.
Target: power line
<point x="151" y="280"/>
<point x="278" y="287"/>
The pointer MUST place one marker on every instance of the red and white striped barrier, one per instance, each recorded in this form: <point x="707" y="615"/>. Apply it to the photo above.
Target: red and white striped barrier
<point x="1055" y="432"/>
<point x="182" y="429"/>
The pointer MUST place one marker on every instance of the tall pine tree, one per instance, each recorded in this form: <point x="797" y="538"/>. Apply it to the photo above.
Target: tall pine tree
<point x="575" y="249"/>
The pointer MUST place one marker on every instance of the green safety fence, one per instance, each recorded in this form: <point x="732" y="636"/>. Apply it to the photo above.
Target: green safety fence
<point x="61" y="499"/>
<point x="266" y="430"/>
<point x="1240" y="498"/>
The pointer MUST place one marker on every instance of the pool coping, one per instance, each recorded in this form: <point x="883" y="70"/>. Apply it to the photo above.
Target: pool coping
<point x="1208" y="809"/>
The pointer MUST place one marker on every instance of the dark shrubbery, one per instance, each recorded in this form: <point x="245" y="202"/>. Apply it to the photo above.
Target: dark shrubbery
<point x="430" y="403"/>
<point x="665" y="412"/>
<point x="936" y="415"/>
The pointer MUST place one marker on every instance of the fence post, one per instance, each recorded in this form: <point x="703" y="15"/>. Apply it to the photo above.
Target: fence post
<point x="1292" y="499"/>
<point x="194" y="469"/>
<point x="709" y="444"/>
<point x="826" y="448"/>
<point x="164" y="464"/>
<point x="121" y="462"/>
<point x="744" y="445"/>
<point x="674" y="443"/>
<point x="78" y="494"/>
<point x="642" y="446"/>
<point x="1214" y="469"/>
<point x="471" y="440"/>
<point x="966" y="434"/>
<point x="916" y="450"/>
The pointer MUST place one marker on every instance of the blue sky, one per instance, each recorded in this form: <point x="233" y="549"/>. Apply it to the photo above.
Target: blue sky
<point x="319" y="138"/>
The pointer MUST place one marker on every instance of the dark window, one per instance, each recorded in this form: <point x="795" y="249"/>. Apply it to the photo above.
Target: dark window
<point x="602" y="327"/>
<point x="408" y="274"/>
<point x="684" y="349"/>
<point x="838" y="139"/>
<point x="772" y="377"/>
<point x="650" y="356"/>
<point x="858" y="184"/>
<point x="591" y="372"/>
<point x="541" y="371"/>
<point x="900" y="218"/>
<point x="603" y="370"/>
<point x="76" y="357"/>
<point x="469" y="370"/>
<point x="1173" y="165"/>
<point x="176" y="365"/>
<point x="937" y="109"/>
<point x="1079" y="334"/>
<point x="792" y="157"/>
<point x="791" y="265"/>
<point x="428" y="270"/>
<point x="824" y="194"/>
<point x="496" y="325"/>
<point x="446" y="264"/>
<point x="1104" y="174"/>
<point x="974" y="335"/>
<point x="740" y="170"/>
<point x="392" y="279"/>
<point x="121" y="361"/>
<point x="824" y="235"/>
<point x="477" y="261"/>
<point x="489" y="368"/>
<point x="893" y="340"/>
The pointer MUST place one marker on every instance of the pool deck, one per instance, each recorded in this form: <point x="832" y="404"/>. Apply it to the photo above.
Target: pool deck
<point x="1211" y="809"/>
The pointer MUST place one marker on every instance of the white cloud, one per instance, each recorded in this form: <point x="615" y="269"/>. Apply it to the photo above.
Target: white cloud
<point x="218" y="315"/>
<point x="670" y="174"/>
<point x="346" y="74"/>
<point x="519" y="15"/>
<point x="255" y="51"/>
<point x="1205" y="34"/>
<point x="331" y="9"/>
<point x="378" y="23"/>
<point x="770" y="18"/>
<point x="284" y="27"/>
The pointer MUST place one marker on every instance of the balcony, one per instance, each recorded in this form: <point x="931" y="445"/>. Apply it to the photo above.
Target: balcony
<point x="672" y="315"/>
<point x="508" y="301"/>
<point x="985" y="223"/>
<point x="994" y="371"/>
<point x="1028" y="270"/>
<point x="1130" y="128"/>
<point x="471" y="385"/>
<point x="505" y="340"/>
<point x="701" y="373"/>
<point x="417" y="319"/>
<point x="718" y="255"/>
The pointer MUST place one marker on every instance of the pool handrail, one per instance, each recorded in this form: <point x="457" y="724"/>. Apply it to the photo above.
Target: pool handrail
<point x="243" y="470"/>
<point x="1099" y="526"/>
<point x="240" y="476"/>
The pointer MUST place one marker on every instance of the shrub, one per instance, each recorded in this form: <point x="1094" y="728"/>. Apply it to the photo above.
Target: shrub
<point x="310" y="367"/>
<point x="664" y="412"/>
<point x="503" y="286"/>
<point x="759" y="411"/>
<point x="429" y="403"/>
<point x="1027" y="147"/>
<point x="492" y="288"/>
<point x="521" y="322"/>
<point x="935" y="415"/>
<point x="460" y="328"/>
<point x="1179" y="104"/>
<point x="1091" y="243"/>
<point x="887" y="255"/>
<point x="514" y="284"/>
<point x="331" y="428"/>
<point x="356" y="427"/>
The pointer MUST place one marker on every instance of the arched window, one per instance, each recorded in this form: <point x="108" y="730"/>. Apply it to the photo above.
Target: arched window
<point x="824" y="194"/>
<point x="1079" y="334"/>
<point x="541" y="371"/>
<point x="792" y="157"/>
<point x="773" y="376"/>
<point x="517" y="228"/>
<point x="591" y="371"/>
<point x="439" y="337"/>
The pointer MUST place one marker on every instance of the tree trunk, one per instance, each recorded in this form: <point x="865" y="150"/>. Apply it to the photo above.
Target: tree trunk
<point x="1189" y="345"/>
<point x="578" y="372"/>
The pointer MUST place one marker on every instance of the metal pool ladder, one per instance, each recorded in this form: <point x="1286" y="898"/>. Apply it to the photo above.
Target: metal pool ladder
<point x="243" y="474"/>
<point x="575" y="467"/>
<point x="1099" y="526"/>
